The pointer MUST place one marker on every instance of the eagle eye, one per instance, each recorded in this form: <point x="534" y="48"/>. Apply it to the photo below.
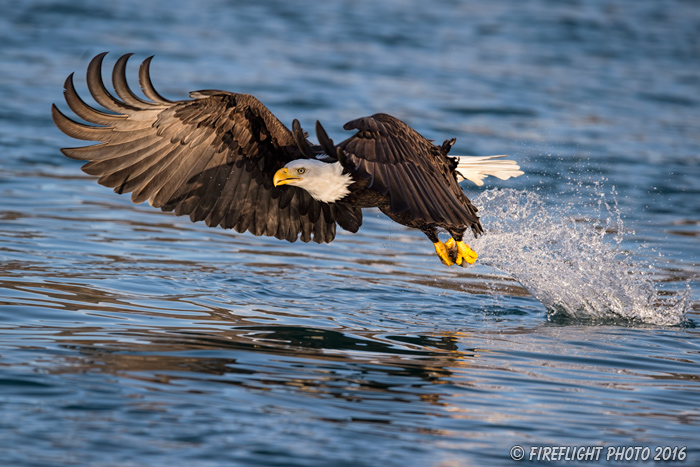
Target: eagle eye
<point x="301" y="171"/>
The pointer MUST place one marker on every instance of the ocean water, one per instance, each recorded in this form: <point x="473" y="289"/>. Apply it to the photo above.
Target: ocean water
<point x="129" y="336"/>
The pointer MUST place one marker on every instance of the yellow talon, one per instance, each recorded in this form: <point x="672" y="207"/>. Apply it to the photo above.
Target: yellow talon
<point x="450" y="245"/>
<point x="460" y="252"/>
<point x="465" y="253"/>
<point x="442" y="253"/>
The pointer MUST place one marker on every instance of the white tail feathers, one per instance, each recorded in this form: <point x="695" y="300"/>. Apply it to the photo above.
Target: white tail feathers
<point x="476" y="169"/>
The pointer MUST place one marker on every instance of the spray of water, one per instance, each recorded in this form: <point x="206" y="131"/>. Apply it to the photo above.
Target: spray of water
<point x="572" y="264"/>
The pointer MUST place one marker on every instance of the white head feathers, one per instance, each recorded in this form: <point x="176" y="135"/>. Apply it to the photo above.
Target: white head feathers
<point x="325" y="182"/>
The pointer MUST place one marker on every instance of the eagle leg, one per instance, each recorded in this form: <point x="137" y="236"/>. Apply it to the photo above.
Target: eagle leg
<point x="460" y="251"/>
<point x="440" y="248"/>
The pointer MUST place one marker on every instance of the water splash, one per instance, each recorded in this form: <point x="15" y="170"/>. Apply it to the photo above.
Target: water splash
<point x="571" y="263"/>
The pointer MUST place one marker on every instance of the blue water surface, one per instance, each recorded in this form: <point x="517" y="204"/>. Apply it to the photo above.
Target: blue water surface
<point x="129" y="336"/>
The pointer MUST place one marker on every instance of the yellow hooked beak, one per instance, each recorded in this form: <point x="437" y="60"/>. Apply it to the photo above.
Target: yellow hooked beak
<point x="283" y="177"/>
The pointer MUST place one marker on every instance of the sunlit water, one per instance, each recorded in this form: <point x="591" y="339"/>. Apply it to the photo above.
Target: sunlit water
<point x="132" y="337"/>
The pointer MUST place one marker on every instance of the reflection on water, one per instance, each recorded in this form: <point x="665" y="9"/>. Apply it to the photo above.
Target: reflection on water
<point x="333" y="362"/>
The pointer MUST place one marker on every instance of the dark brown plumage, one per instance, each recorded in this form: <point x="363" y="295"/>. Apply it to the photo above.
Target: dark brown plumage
<point x="417" y="176"/>
<point x="214" y="158"/>
<point x="211" y="158"/>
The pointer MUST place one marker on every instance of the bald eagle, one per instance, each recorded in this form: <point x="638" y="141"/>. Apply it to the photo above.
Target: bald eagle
<point x="225" y="159"/>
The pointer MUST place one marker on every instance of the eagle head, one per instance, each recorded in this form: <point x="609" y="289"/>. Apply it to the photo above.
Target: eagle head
<point x="325" y="182"/>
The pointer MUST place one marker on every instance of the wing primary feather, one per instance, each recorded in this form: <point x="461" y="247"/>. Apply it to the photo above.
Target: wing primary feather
<point x="300" y="140"/>
<point x="147" y="85"/>
<point x="79" y="153"/>
<point x="83" y="110"/>
<point x="79" y="130"/>
<point x="325" y="141"/>
<point x="121" y="85"/>
<point x="99" y="91"/>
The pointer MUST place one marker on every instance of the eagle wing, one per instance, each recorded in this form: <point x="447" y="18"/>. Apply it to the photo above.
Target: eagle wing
<point x="415" y="174"/>
<point x="212" y="158"/>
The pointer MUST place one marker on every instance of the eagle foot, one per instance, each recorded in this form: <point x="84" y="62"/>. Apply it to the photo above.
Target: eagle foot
<point x="460" y="252"/>
<point x="443" y="253"/>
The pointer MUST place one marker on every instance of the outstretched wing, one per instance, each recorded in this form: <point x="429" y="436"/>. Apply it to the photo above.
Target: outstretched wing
<point x="416" y="174"/>
<point x="212" y="158"/>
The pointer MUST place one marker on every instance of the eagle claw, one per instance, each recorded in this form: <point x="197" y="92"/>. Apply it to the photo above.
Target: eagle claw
<point x="460" y="252"/>
<point x="443" y="253"/>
